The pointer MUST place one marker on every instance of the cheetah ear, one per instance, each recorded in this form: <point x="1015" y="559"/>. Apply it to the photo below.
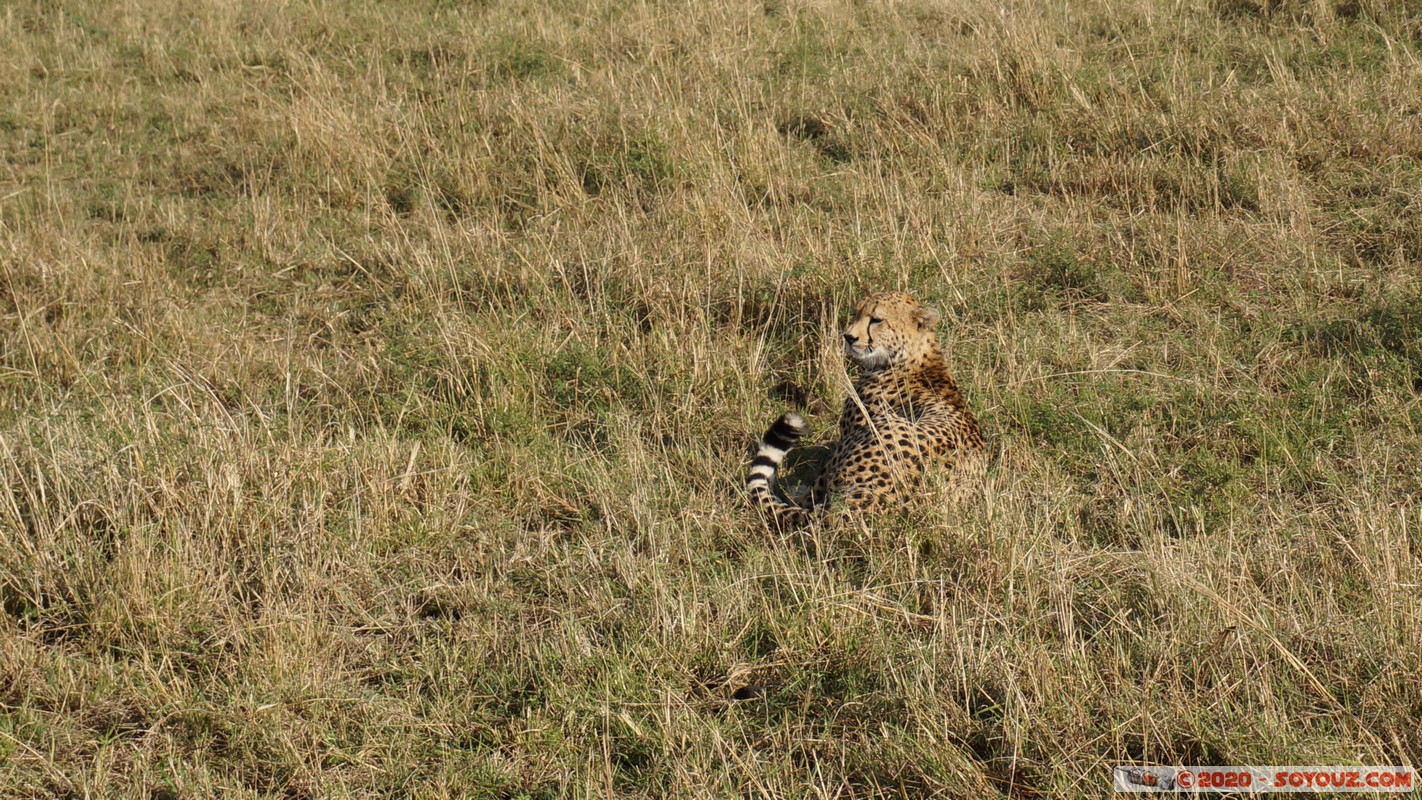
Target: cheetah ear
<point x="927" y="317"/>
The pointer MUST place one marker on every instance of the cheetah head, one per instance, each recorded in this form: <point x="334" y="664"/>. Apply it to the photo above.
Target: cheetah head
<point x="890" y="328"/>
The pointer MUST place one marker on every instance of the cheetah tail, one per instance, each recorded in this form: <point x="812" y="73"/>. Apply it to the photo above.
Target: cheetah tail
<point x="759" y="481"/>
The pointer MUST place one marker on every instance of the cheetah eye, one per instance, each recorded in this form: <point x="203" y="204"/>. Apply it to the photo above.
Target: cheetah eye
<point x="874" y="320"/>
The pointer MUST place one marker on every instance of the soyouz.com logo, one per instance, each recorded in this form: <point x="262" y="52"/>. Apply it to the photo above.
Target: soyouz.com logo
<point x="1264" y="779"/>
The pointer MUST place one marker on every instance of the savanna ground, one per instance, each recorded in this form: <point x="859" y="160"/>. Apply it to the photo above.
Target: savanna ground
<point x="376" y="382"/>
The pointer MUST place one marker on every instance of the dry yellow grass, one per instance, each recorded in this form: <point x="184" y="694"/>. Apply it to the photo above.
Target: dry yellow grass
<point x="376" y="381"/>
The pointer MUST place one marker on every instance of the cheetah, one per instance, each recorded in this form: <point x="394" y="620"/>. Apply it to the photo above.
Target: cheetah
<point x="905" y="412"/>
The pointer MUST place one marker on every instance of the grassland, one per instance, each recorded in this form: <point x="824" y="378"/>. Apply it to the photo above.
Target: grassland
<point x="376" y="381"/>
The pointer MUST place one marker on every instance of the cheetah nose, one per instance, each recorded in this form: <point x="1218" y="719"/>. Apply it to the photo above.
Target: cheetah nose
<point x="850" y="338"/>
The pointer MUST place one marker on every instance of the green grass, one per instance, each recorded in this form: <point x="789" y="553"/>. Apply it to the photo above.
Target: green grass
<point x="376" y="382"/>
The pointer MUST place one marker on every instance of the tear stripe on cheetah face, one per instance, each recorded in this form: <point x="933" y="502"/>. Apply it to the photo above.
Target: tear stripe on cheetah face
<point x="906" y="414"/>
<point x="888" y="329"/>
